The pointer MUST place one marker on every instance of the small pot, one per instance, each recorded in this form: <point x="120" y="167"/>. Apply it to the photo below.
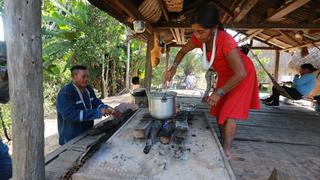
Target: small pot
<point x="139" y="26"/>
<point x="162" y="109"/>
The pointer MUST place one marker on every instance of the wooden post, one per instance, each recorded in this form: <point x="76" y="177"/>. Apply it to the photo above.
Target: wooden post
<point x="148" y="73"/>
<point x="276" y="67"/>
<point x="25" y="75"/>
<point x="128" y="66"/>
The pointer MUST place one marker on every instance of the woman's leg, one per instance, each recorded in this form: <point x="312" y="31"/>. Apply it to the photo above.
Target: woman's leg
<point x="229" y="133"/>
<point x="221" y="129"/>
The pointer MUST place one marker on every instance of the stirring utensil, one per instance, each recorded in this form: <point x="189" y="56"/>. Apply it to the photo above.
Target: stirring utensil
<point x="164" y="97"/>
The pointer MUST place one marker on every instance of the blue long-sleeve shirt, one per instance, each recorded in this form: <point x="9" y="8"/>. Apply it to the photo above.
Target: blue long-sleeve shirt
<point x="74" y="116"/>
<point x="5" y="162"/>
<point x="305" y="83"/>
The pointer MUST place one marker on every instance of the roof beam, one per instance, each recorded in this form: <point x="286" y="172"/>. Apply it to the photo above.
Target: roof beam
<point x="285" y="34"/>
<point x="167" y="18"/>
<point x="225" y="18"/>
<point x="222" y="7"/>
<point x="251" y="35"/>
<point x="273" y="37"/>
<point x="132" y="11"/>
<point x="286" y="9"/>
<point x="245" y="9"/>
<point x="242" y="26"/>
<point x="304" y="45"/>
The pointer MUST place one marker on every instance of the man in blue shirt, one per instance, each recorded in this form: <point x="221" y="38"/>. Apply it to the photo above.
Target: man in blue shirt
<point x="77" y="106"/>
<point x="302" y="85"/>
<point x="5" y="162"/>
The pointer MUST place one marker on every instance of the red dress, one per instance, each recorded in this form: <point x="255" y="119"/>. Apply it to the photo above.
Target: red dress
<point x="237" y="102"/>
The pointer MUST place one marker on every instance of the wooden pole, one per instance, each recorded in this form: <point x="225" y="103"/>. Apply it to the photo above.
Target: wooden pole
<point x="25" y="75"/>
<point x="128" y="66"/>
<point x="277" y="63"/>
<point x="148" y="68"/>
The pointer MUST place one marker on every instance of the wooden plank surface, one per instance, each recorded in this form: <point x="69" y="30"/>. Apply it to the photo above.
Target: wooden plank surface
<point x="288" y="140"/>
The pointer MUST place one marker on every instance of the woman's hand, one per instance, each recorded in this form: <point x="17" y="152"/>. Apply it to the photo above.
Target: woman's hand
<point x="213" y="99"/>
<point x="170" y="73"/>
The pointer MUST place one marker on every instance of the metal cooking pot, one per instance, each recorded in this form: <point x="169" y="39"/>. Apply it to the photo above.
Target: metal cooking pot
<point x="162" y="109"/>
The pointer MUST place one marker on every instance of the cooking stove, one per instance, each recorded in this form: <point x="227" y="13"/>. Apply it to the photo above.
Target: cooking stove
<point x="153" y="130"/>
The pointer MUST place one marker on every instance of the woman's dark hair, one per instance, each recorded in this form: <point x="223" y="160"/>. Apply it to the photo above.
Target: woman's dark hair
<point x="207" y="16"/>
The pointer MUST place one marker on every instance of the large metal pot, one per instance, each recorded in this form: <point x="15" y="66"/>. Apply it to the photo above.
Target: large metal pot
<point x="162" y="109"/>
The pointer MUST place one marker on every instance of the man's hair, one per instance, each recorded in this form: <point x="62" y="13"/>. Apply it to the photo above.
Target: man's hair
<point x="76" y="68"/>
<point x="308" y="66"/>
<point x="135" y="80"/>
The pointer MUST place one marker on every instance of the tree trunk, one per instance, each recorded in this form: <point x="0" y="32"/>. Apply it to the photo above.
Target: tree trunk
<point x="25" y="75"/>
<point x="103" y="80"/>
<point x="114" y="77"/>
<point x="128" y="66"/>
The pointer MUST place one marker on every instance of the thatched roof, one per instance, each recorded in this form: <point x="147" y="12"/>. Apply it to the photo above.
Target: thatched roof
<point x="313" y="58"/>
<point x="282" y="24"/>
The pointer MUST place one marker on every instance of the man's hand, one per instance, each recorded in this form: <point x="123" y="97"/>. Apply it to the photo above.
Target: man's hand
<point x="107" y="111"/>
<point x="213" y="99"/>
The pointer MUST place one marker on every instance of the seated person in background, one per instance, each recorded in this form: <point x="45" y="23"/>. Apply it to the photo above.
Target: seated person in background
<point x="302" y="85"/>
<point x="5" y="162"/>
<point x="77" y="106"/>
<point x="135" y="83"/>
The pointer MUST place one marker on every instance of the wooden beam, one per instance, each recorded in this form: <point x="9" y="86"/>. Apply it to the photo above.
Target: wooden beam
<point x="251" y="35"/>
<point x="273" y="37"/>
<point x="243" y="26"/>
<point x="225" y="18"/>
<point x="178" y="36"/>
<point x="222" y="7"/>
<point x="277" y="64"/>
<point x="166" y="16"/>
<point x="277" y="41"/>
<point x="265" y="48"/>
<point x="182" y="36"/>
<point x="300" y="46"/>
<point x="272" y="43"/>
<point x="286" y="9"/>
<point x="164" y="10"/>
<point x="285" y="34"/>
<point x="148" y="67"/>
<point x="132" y="11"/>
<point x="245" y="9"/>
<point x="267" y="43"/>
<point x="24" y="45"/>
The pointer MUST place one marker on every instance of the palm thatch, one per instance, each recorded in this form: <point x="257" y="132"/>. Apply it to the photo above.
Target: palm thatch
<point x="313" y="57"/>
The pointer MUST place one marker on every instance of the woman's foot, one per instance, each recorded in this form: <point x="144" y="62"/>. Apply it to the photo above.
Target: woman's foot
<point x="228" y="154"/>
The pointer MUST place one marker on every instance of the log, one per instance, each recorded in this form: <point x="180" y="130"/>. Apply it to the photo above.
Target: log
<point x="26" y="91"/>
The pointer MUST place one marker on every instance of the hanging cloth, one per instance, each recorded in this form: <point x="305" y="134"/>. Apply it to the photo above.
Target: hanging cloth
<point x="282" y="91"/>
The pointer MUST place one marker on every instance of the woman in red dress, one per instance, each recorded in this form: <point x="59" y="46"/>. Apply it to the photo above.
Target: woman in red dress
<point x="237" y="86"/>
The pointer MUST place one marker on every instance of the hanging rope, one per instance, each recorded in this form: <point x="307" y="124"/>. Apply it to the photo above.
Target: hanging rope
<point x="282" y="91"/>
<point x="4" y="128"/>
